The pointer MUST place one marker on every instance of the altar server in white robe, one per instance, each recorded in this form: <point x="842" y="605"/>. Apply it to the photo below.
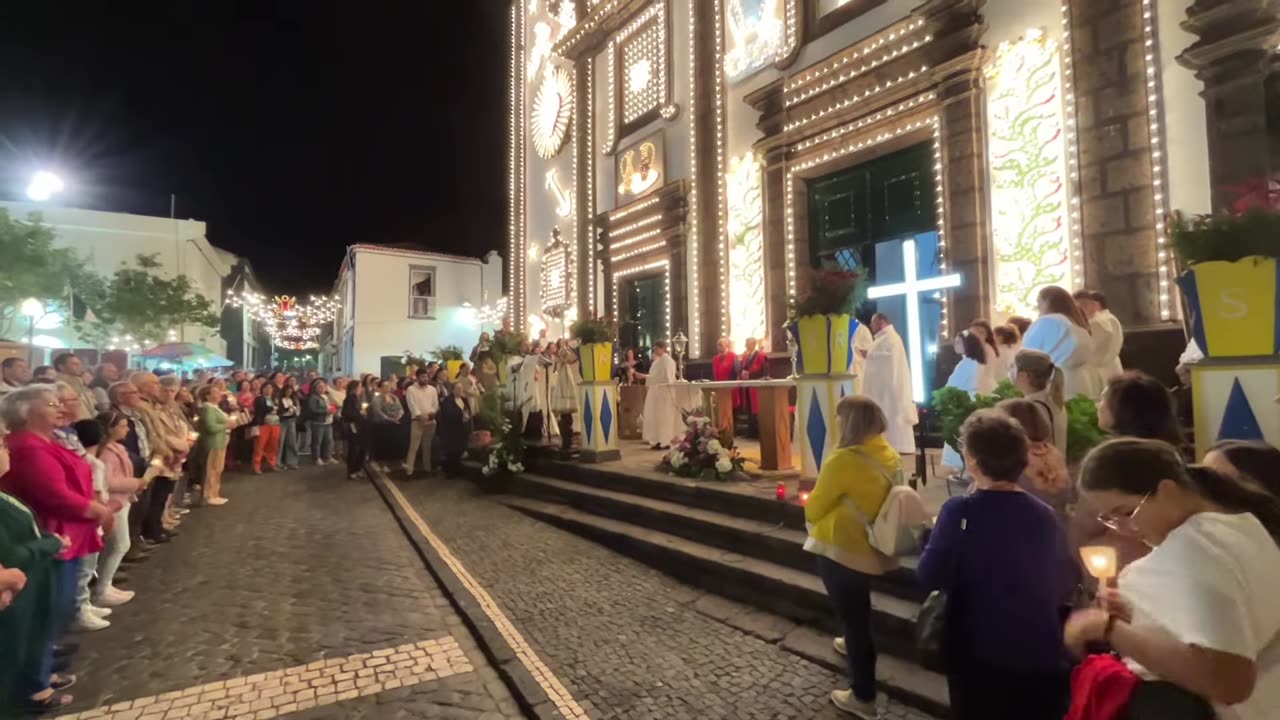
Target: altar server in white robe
<point x="888" y="383"/>
<point x="1108" y="335"/>
<point x="662" y="417"/>
<point x="974" y="374"/>
<point x="1062" y="331"/>
<point x="861" y="344"/>
<point x="531" y="393"/>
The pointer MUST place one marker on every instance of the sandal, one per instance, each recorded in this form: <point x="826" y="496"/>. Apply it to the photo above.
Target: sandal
<point x="52" y="703"/>
<point x="61" y="681"/>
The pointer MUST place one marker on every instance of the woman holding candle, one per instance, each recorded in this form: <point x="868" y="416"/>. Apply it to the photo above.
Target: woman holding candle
<point x="1003" y="560"/>
<point x="851" y="487"/>
<point x="1199" y="612"/>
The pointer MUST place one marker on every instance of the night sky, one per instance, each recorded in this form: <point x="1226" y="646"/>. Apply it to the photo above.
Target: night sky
<point x="293" y="128"/>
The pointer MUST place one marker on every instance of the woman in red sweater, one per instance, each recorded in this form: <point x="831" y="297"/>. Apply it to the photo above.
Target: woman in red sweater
<point x="57" y="485"/>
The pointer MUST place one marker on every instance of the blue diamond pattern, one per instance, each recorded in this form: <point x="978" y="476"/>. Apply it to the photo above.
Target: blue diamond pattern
<point x="606" y="416"/>
<point x="588" y="419"/>
<point x="816" y="429"/>
<point x="1238" y="420"/>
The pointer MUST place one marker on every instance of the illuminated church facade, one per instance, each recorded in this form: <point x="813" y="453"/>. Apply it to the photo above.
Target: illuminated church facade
<point x="682" y="165"/>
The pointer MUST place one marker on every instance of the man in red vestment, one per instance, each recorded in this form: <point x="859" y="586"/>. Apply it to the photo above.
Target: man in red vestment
<point x="724" y="368"/>
<point x="754" y="367"/>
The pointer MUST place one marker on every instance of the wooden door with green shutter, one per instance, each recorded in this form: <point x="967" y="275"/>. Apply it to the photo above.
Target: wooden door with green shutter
<point x="882" y="199"/>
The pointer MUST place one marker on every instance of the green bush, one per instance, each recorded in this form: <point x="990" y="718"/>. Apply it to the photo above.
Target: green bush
<point x="448" y="352"/>
<point x="954" y="406"/>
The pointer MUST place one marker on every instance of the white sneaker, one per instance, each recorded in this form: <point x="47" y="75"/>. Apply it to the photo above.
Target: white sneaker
<point x="840" y="646"/>
<point x="408" y="469"/>
<point x="218" y="501"/>
<point x="97" y="610"/>
<point x="88" y="622"/>
<point x="113" y="597"/>
<point x="845" y="700"/>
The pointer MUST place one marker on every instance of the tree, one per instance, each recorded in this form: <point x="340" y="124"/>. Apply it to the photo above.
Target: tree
<point x="138" y="302"/>
<point x="34" y="268"/>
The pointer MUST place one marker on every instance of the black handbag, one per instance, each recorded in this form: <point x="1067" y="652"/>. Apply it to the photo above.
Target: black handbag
<point x="1158" y="700"/>
<point x="931" y="628"/>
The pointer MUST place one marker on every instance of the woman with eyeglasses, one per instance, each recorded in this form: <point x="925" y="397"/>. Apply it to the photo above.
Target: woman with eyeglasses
<point x="1199" y="612"/>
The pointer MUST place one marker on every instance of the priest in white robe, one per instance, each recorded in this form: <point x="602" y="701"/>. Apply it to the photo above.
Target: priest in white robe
<point x="861" y="345"/>
<point x="663" y="420"/>
<point x="888" y="383"/>
<point x="531" y="396"/>
<point x="1062" y="332"/>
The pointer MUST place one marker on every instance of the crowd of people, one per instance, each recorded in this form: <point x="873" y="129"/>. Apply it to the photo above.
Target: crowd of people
<point x="98" y="469"/>
<point x="1189" y="629"/>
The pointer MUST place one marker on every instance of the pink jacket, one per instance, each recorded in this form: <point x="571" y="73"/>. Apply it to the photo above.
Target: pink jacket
<point x="57" y="485"/>
<point x="120" y="480"/>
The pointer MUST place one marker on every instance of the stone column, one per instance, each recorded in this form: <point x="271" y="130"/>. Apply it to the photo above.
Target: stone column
<point x="1117" y="198"/>
<point x="968" y="223"/>
<point x="1233" y="58"/>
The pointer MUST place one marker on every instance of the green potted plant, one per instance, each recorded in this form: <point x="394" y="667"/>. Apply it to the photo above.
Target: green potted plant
<point x="595" y="337"/>
<point x="506" y="345"/>
<point x="452" y="357"/>
<point x="1231" y="277"/>
<point x="822" y="324"/>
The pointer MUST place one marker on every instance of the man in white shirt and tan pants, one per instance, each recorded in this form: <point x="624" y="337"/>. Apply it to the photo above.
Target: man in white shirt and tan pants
<point x="424" y="403"/>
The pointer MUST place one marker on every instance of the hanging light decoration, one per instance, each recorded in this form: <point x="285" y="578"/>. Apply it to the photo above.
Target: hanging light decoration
<point x="291" y="325"/>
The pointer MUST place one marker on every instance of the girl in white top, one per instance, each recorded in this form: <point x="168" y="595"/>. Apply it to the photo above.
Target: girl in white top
<point x="1062" y="331"/>
<point x="1200" y="611"/>
<point x="997" y="361"/>
<point x="974" y="376"/>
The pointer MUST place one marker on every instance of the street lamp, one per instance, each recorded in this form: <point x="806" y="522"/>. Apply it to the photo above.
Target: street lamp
<point x="44" y="185"/>
<point x="33" y="309"/>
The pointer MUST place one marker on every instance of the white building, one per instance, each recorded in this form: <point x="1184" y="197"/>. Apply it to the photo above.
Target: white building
<point x="396" y="299"/>
<point x="112" y="240"/>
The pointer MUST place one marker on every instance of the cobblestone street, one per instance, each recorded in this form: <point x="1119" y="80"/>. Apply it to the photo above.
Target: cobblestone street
<point x="300" y="597"/>
<point x="623" y="638"/>
<point x="304" y="598"/>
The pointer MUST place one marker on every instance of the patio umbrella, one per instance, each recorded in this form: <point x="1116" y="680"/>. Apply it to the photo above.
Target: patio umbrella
<point x="177" y="351"/>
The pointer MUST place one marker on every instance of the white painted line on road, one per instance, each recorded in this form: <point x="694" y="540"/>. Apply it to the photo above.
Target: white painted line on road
<point x="555" y="690"/>
<point x="281" y="692"/>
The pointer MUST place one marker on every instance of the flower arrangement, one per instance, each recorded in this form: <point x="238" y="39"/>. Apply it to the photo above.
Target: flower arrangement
<point x="1251" y="228"/>
<point x="448" y="353"/>
<point x="506" y="454"/>
<point x="703" y="453"/>
<point x="831" y="292"/>
<point x="594" y="330"/>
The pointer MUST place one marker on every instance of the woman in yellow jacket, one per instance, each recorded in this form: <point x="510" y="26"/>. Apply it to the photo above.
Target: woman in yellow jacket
<point x="851" y="487"/>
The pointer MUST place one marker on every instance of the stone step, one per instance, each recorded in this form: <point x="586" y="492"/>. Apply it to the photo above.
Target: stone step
<point x="793" y="594"/>
<point x="682" y="491"/>
<point x="773" y="542"/>
<point x="796" y="611"/>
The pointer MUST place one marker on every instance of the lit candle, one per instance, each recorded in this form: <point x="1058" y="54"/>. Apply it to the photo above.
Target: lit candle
<point x="782" y="491"/>
<point x="1100" y="561"/>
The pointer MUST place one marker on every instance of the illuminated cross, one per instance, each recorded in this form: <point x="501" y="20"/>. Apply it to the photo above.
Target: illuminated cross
<point x="912" y="287"/>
